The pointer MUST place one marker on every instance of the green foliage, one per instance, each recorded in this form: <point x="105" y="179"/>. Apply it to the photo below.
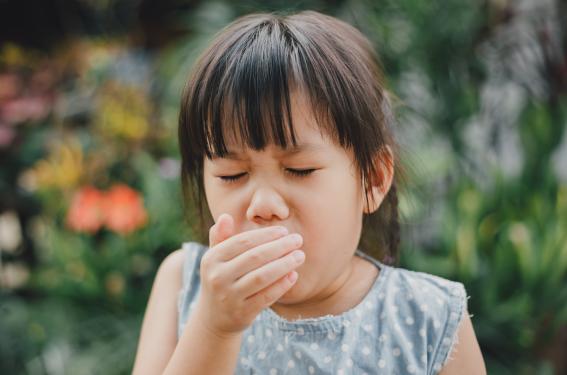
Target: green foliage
<point x="75" y="293"/>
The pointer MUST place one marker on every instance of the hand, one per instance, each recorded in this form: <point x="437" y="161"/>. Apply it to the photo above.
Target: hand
<point x="243" y="274"/>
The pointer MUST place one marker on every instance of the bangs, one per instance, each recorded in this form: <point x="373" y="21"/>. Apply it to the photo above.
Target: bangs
<point x="242" y="87"/>
<point x="245" y="92"/>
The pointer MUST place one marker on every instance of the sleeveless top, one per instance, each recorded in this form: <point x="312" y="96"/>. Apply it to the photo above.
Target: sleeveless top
<point x="406" y="324"/>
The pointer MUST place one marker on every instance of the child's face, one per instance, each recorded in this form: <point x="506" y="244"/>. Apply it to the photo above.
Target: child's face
<point x="325" y="206"/>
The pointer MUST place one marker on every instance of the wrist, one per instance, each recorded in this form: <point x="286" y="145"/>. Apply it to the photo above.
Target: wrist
<point x="202" y="323"/>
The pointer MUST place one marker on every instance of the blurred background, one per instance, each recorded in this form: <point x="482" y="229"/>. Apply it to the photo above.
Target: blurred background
<point x="90" y="202"/>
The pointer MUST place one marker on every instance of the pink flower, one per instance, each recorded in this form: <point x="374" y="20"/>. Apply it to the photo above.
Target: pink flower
<point x="86" y="211"/>
<point x="120" y="209"/>
<point x="124" y="209"/>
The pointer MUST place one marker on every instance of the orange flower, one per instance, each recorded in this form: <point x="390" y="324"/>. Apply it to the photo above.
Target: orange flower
<point x="85" y="213"/>
<point x="124" y="209"/>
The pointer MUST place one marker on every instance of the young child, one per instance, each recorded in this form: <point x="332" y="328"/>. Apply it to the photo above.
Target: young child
<point x="285" y="136"/>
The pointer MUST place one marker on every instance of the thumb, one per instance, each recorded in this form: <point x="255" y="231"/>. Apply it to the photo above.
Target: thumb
<point x="221" y="230"/>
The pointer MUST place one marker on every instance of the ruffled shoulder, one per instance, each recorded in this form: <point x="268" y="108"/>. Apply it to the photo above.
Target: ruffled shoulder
<point x="191" y="282"/>
<point x="434" y="306"/>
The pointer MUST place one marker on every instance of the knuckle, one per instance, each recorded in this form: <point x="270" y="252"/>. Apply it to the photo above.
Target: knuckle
<point x="258" y="279"/>
<point x="205" y="262"/>
<point x="245" y="242"/>
<point x="215" y="280"/>
<point x="256" y="258"/>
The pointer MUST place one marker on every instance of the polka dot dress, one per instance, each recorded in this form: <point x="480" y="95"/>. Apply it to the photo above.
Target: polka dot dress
<point x="406" y="324"/>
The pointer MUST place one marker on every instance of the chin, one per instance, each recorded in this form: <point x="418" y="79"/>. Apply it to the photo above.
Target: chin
<point x="289" y="297"/>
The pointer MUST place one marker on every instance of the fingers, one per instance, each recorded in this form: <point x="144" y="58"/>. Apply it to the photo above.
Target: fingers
<point x="268" y="296"/>
<point x="244" y="241"/>
<point x="253" y="282"/>
<point x="221" y="230"/>
<point x="263" y="254"/>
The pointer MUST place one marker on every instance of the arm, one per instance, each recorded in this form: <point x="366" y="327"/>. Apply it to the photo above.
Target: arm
<point x="159" y="330"/>
<point x="200" y="351"/>
<point x="466" y="357"/>
<point x="197" y="351"/>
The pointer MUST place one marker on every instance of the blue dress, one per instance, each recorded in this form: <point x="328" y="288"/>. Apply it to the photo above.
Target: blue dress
<point x="406" y="324"/>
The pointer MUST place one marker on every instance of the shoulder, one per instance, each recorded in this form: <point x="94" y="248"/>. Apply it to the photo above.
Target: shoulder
<point x="428" y="304"/>
<point x="158" y="327"/>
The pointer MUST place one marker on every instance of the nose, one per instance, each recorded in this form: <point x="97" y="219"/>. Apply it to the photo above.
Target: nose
<point x="266" y="206"/>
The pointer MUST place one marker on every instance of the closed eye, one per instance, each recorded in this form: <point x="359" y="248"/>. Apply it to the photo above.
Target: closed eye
<point x="294" y="172"/>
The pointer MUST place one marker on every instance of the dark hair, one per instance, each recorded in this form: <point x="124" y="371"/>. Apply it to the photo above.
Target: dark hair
<point x="247" y="75"/>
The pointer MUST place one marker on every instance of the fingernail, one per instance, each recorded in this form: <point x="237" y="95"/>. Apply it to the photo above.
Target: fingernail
<point x="299" y="255"/>
<point x="292" y="277"/>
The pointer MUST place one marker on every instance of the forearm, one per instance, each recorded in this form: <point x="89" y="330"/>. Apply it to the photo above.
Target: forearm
<point x="199" y="351"/>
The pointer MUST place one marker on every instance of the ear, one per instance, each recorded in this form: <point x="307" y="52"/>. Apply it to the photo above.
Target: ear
<point x="381" y="181"/>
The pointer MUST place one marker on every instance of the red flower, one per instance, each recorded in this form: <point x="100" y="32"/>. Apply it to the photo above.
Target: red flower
<point x="124" y="209"/>
<point x="85" y="213"/>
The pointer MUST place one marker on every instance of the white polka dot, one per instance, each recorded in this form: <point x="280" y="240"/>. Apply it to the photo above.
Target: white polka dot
<point x="314" y="346"/>
<point x="273" y="371"/>
<point x="311" y="369"/>
<point x="395" y="309"/>
<point x="381" y="295"/>
<point x="327" y="359"/>
<point x="381" y="363"/>
<point x="411" y="369"/>
<point x="383" y="315"/>
<point x="422" y="332"/>
<point x="244" y="361"/>
<point x="298" y="354"/>
<point x="344" y="348"/>
<point x="367" y="327"/>
<point x="436" y="323"/>
<point x="286" y="340"/>
<point x="409" y="297"/>
<point x="349" y="362"/>
<point x="409" y="321"/>
<point x="396" y="352"/>
<point x="300" y="331"/>
<point x="383" y="337"/>
<point x="279" y="348"/>
<point x="454" y="316"/>
<point x="423" y="307"/>
<point x="397" y="327"/>
<point x="262" y="355"/>
<point x="366" y="350"/>
<point x="268" y="333"/>
<point x="423" y="358"/>
<point x="340" y="371"/>
<point x="439" y="301"/>
<point x="368" y="305"/>
<point x="429" y="348"/>
<point x="251" y="339"/>
<point x="358" y="313"/>
<point x="446" y="341"/>
<point x="331" y="336"/>
<point x="346" y="323"/>
<point x="291" y="363"/>
<point x="437" y="367"/>
<point x="410" y="345"/>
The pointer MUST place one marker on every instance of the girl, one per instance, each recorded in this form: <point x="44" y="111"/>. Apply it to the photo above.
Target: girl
<point x="285" y="136"/>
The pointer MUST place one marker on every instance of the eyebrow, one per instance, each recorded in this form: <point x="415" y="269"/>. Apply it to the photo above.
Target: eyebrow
<point x="293" y="150"/>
